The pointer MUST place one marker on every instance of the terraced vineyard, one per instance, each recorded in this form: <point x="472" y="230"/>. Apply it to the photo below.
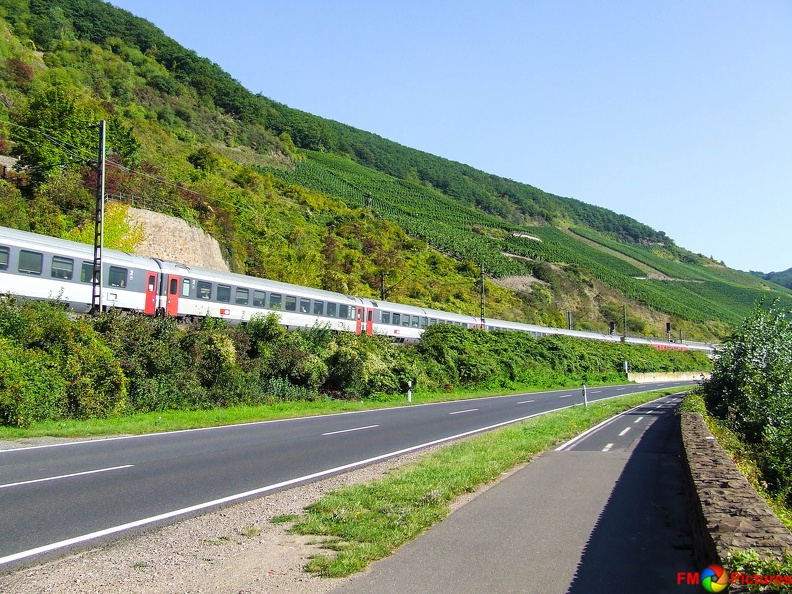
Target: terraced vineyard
<point x="697" y="293"/>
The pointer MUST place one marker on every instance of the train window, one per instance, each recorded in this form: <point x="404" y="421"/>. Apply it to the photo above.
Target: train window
<point x="117" y="277"/>
<point x="370" y="315"/>
<point x="290" y="303"/>
<point x="86" y="272"/>
<point x="432" y="321"/>
<point x="241" y="297"/>
<point x="318" y="308"/>
<point x="152" y="283"/>
<point x="4" y="251"/>
<point x="224" y="293"/>
<point x="415" y="321"/>
<point x="424" y="322"/>
<point x="331" y="310"/>
<point x="275" y="301"/>
<point x="173" y="289"/>
<point x="204" y="290"/>
<point x="185" y="287"/>
<point x="305" y="305"/>
<point x="259" y="299"/>
<point x="62" y="268"/>
<point x="405" y="320"/>
<point x="30" y="262"/>
<point x="386" y="317"/>
<point x="343" y="311"/>
<point x="396" y="319"/>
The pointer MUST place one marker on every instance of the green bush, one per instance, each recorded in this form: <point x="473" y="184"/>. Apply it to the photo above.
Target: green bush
<point x="44" y="337"/>
<point x="751" y="391"/>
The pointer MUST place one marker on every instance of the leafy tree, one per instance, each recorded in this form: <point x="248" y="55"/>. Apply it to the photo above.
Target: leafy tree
<point x="57" y="130"/>
<point x="751" y="389"/>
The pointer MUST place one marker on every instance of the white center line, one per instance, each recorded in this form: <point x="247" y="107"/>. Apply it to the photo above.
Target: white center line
<point x="638" y="420"/>
<point x="459" y="412"/>
<point x="623" y="432"/>
<point x="63" y="476"/>
<point x="526" y="401"/>
<point x="565" y="395"/>
<point x="348" y="430"/>
<point x="607" y="447"/>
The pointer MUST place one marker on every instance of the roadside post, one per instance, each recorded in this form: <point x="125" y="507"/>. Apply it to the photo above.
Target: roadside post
<point x="409" y="391"/>
<point x="585" y="397"/>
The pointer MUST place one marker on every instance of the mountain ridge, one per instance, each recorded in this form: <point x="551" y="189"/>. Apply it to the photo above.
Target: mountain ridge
<point x="312" y="201"/>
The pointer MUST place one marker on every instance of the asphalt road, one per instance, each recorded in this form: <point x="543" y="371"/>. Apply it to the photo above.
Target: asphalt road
<point x="57" y="498"/>
<point x="603" y="514"/>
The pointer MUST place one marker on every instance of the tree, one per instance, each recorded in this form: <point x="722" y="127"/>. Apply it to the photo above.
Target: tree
<point x="58" y="131"/>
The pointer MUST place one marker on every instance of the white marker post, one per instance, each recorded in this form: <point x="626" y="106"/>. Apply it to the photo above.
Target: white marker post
<point x="585" y="398"/>
<point x="409" y="391"/>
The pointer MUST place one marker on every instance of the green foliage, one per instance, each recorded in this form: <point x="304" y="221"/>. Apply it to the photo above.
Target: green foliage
<point x="266" y="179"/>
<point x="751" y="390"/>
<point x="55" y="367"/>
<point x="752" y="563"/>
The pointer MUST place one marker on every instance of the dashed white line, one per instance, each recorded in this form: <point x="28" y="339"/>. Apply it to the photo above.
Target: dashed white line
<point x="349" y="430"/>
<point x="607" y="447"/>
<point x="459" y="412"/>
<point x="624" y="432"/>
<point x="526" y="401"/>
<point x="638" y="420"/>
<point x="63" y="476"/>
<point x="565" y="395"/>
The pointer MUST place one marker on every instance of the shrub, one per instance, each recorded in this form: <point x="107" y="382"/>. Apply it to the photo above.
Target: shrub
<point x="751" y="390"/>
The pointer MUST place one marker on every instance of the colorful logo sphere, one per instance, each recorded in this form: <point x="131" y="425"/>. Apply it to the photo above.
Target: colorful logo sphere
<point x="714" y="578"/>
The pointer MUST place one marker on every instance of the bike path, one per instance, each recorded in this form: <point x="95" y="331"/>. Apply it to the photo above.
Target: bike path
<point x="606" y="514"/>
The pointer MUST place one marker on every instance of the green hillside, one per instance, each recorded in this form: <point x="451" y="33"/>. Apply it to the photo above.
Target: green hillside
<point x="298" y="198"/>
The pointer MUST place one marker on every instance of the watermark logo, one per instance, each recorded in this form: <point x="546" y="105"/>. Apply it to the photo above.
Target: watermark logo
<point x="714" y="578"/>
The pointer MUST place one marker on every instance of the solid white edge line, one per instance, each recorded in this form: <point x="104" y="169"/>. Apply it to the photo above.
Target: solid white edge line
<point x="201" y="506"/>
<point x="63" y="476"/>
<point x="233" y="425"/>
<point x="599" y="426"/>
<point x="349" y="430"/>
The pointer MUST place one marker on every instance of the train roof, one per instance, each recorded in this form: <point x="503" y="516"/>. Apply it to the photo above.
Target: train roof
<point x="241" y="280"/>
<point x="71" y="248"/>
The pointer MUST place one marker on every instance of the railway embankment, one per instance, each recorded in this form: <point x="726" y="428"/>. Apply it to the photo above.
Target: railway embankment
<point x="727" y="513"/>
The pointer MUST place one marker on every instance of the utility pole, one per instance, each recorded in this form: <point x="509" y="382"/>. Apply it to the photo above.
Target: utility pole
<point x="625" y="321"/>
<point x="96" y="299"/>
<point x="483" y="322"/>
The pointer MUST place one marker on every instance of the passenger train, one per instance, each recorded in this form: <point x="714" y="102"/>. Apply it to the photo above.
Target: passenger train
<point x="40" y="267"/>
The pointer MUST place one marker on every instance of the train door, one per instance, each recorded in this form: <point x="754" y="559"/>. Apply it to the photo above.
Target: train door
<point x="358" y="319"/>
<point x="172" y="304"/>
<point x="370" y="321"/>
<point x="151" y="294"/>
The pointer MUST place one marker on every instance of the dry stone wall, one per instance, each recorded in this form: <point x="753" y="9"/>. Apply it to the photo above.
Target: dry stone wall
<point x="727" y="512"/>
<point x="172" y="239"/>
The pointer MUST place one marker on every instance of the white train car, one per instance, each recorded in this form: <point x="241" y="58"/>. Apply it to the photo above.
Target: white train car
<point x="41" y="267"/>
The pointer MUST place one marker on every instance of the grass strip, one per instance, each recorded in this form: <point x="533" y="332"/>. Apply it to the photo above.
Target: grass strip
<point x="366" y="522"/>
<point x="176" y="420"/>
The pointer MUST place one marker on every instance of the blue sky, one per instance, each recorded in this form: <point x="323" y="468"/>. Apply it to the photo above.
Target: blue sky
<point x="676" y="113"/>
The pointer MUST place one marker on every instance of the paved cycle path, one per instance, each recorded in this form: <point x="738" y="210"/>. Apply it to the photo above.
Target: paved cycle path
<point x="605" y="514"/>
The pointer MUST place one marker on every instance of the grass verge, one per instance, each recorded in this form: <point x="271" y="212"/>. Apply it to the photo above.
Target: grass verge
<point x="363" y="523"/>
<point x="175" y="420"/>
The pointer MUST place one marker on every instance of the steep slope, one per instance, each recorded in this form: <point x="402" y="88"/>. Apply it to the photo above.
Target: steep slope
<point x="298" y="198"/>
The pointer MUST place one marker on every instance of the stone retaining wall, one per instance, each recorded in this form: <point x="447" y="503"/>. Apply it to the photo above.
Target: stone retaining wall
<point x="727" y="513"/>
<point x="671" y="376"/>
